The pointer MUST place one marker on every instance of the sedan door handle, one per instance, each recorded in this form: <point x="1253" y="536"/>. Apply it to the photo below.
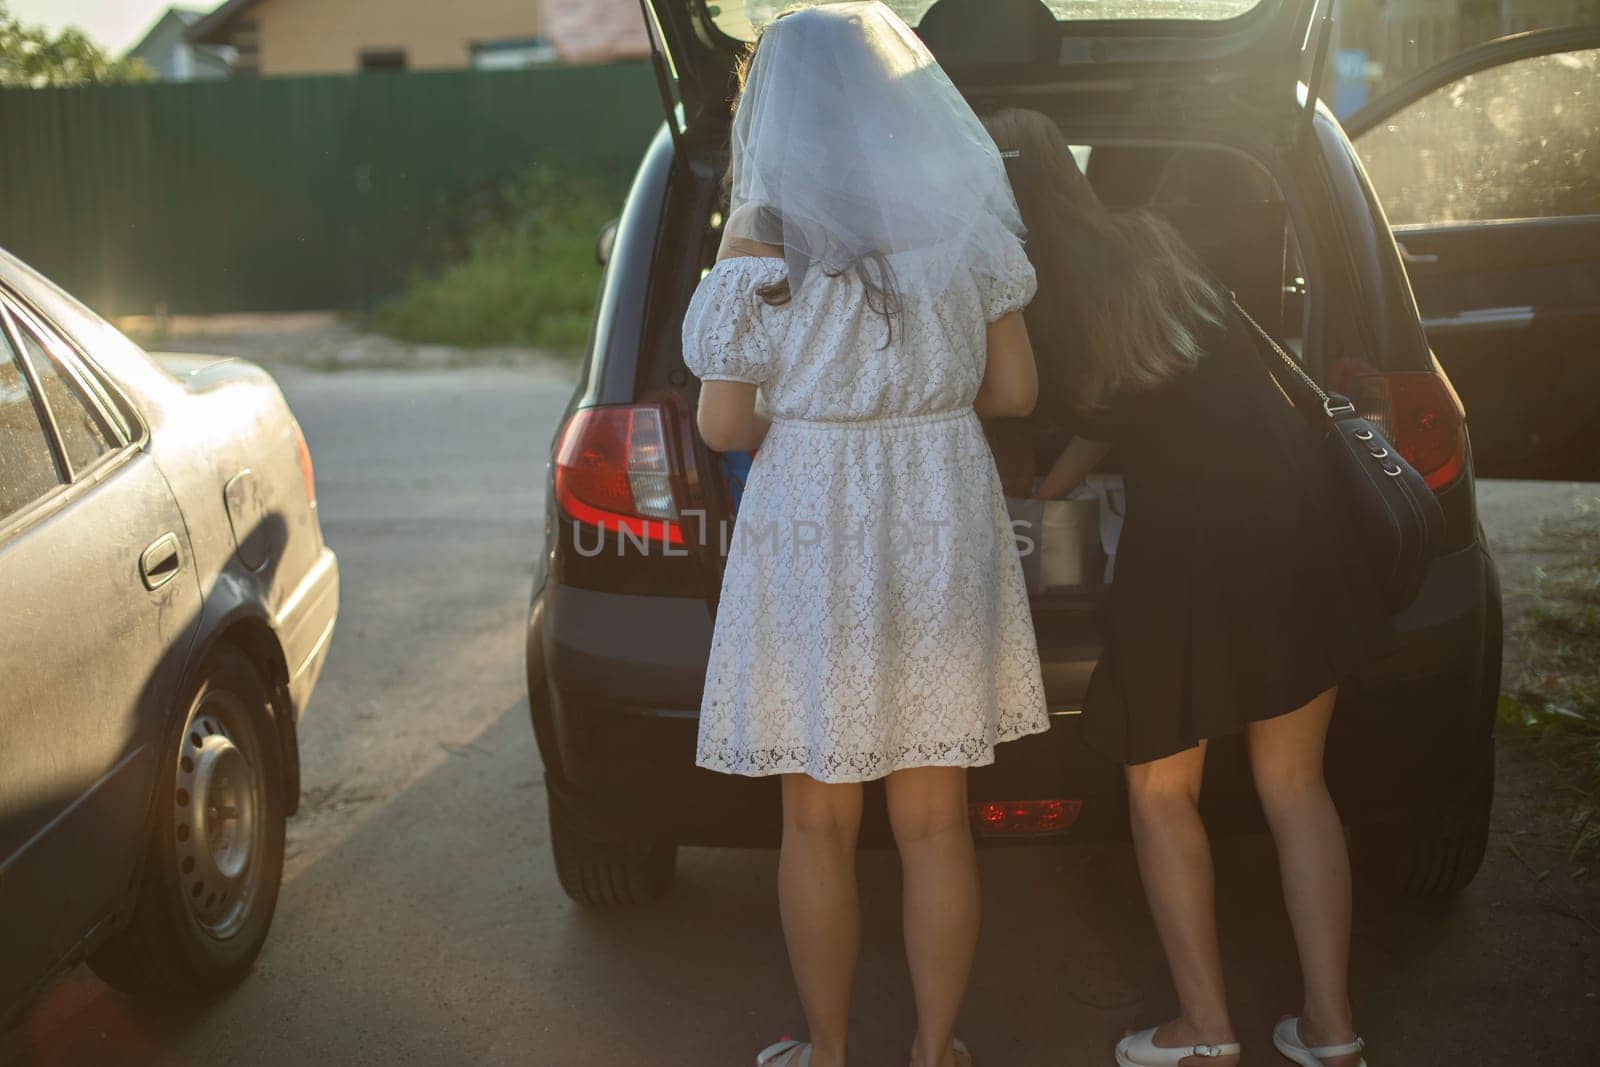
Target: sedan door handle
<point x="1417" y="258"/>
<point x="158" y="564"/>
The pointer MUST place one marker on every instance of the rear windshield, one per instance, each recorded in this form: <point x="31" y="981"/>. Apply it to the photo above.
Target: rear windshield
<point x="741" y="18"/>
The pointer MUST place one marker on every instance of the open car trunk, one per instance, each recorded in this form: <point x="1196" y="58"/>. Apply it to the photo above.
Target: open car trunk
<point x="1231" y="212"/>
<point x="1231" y="57"/>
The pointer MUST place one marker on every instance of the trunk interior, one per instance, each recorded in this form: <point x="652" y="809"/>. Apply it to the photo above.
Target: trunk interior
<point x="1232" y="212"/>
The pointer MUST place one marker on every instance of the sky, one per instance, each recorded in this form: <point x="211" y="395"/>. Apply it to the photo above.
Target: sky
<point x="115" y="24"/>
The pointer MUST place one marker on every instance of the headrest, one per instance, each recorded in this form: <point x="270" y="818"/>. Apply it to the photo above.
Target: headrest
<point x="965" y="33"/>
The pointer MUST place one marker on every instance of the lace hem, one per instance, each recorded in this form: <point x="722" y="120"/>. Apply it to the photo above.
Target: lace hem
<point x="843" y="767"/>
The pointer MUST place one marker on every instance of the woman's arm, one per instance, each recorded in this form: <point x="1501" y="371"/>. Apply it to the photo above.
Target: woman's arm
<point x="1010" y="380"/>
<point x="728" y="419"/>
<point x="1080" y="457"/>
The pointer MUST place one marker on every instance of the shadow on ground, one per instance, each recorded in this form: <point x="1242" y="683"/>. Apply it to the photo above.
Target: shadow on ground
<point x="458" y="946"/>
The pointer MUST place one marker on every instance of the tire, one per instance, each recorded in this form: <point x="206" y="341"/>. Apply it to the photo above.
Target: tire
<point x="608" y="874"/>
<point x="1428" y="864"/>
<point x="210" y="880"/>
<point x="1441" y="857"/>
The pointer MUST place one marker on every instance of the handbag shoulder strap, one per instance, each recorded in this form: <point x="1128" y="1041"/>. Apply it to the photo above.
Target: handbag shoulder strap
<point x="1320" y="402"/>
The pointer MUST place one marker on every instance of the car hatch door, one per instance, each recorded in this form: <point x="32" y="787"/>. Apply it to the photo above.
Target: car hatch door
<point x="1248" y="54"/>
<point x="1486" y="167"/>
<point x="691" y="57"/>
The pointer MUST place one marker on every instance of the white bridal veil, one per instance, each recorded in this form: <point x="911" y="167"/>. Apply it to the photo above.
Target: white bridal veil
<point x="850" y="140"/>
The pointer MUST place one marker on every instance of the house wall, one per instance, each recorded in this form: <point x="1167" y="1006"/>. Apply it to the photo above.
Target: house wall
<point x="159" y="50"/>
<point x="596" y="31"/>
<point x="328" y="36"/>
<point x="167" y="52"/>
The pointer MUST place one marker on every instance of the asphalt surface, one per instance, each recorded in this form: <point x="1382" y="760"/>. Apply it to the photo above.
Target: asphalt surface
<point x="421" y="921"/>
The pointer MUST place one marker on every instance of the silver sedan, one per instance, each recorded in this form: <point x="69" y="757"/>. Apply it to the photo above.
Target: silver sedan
<point x="166" y="605"/>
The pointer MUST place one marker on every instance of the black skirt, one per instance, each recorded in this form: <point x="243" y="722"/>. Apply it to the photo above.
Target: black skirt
<point x="1234" y="597"/>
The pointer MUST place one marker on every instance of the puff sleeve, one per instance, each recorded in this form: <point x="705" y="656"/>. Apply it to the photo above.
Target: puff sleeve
<point x="1007" y="283"/>
<point x="724" y="337"/>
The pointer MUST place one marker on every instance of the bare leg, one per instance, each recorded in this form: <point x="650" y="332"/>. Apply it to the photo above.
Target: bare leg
<point x="1286" y="755"/>
<point x="928" y="811"/>
<point x="1175" y="864"/>
<point x="821" y="911"/>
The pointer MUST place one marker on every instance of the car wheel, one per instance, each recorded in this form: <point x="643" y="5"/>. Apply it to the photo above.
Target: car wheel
<point x="608" y="873"/>
<point x="1429" y="862"/>
<point x="210" y="879"/>
<point x="1434" y="860"/>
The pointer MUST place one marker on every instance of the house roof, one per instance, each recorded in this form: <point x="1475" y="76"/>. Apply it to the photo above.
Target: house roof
<point x="186" y="16"/>
<point x="213" y="28"/>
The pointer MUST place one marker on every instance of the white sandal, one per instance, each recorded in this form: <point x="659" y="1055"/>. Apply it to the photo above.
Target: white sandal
<point x="786" y="1053"/>
<point x="1141" y="1050"/>
<point x="791" y="1053"/>
<point x="1286" y="1039"/>
<point x="963" y="1055"/>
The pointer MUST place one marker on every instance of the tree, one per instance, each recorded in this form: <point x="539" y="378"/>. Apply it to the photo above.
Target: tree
<point x="32" y="58"/>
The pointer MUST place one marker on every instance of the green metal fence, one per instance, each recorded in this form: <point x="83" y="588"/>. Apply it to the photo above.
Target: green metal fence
<point x="287" y="193"/>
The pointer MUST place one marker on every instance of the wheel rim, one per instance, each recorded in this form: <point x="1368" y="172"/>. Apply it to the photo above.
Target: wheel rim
<point x="218" y="819"/>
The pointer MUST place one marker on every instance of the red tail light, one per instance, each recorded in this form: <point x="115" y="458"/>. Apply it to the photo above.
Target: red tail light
<point x="1420" y="414"/>
<point x="1024" y="818"/>
<point x="613" y="469"/>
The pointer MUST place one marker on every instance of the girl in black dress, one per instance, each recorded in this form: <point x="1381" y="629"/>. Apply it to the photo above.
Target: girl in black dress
<point x="1230" y="611"/>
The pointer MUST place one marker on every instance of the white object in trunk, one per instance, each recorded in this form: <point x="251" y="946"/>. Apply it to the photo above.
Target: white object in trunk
<point x="1070" y="541"/>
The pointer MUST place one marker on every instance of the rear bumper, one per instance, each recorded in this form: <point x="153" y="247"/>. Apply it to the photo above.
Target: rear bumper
<point x="648" y="786"/>
<point x="615" y="684"/>
<point x="305" y="626"/>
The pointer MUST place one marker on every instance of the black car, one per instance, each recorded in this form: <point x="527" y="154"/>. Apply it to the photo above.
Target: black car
<point x="1201" y="121"/>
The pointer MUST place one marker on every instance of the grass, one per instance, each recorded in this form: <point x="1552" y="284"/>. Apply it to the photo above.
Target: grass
<point x="1555" y="697"/>
<point x="527" y="275"/>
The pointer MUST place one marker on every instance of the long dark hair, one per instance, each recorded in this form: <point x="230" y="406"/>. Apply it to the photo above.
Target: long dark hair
<point x="872" y="267"/>
<point x="1122" y="293"/>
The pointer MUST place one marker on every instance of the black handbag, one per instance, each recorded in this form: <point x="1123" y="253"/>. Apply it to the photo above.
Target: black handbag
<point x="1392" y="515"/>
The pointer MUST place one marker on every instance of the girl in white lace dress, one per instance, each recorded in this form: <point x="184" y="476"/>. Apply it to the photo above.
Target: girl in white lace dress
<point x="873" y="620"/>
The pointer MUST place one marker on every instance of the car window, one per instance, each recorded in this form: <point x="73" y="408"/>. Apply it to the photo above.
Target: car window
<point x="85" y="436"/>
<point x="27" y="467"/>
<point x="1517" y="141"/>
<point x="740" y="18"/>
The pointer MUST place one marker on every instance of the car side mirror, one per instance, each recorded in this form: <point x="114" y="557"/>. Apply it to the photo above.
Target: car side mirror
<point x="605" y="242"/>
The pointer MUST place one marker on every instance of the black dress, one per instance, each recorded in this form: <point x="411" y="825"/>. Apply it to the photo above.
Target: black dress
<point x="1232" y="599"/>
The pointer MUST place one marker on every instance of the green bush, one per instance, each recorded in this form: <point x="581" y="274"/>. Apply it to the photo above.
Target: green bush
<point x="527" y="277"/>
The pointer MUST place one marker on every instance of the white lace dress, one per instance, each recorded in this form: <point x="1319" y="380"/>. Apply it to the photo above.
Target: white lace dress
<point x="873" y="614"/>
